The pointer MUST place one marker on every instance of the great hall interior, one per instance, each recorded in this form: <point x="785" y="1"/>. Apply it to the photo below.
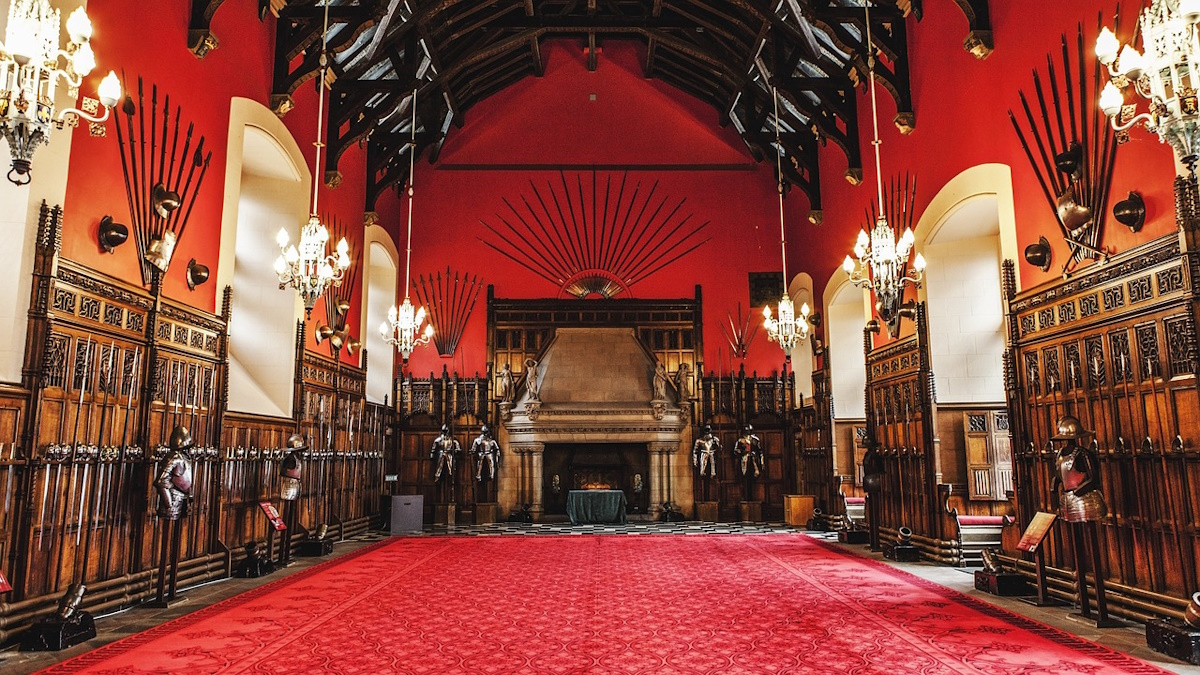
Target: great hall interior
<point x="365" y="335"/>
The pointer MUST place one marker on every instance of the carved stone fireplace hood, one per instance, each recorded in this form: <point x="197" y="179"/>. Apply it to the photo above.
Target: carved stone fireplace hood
<point x="596" y="386"/>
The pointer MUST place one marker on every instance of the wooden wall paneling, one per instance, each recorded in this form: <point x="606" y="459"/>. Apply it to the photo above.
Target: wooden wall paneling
<point x="1115" y="345"/>
<point x="900" y="421"/>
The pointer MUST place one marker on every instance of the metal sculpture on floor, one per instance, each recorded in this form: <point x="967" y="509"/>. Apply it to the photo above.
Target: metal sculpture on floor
<point x="704" y="457"/>
<point x="174" y="485"/>
<point x="1081" y="505"/>
<point x="444" y="455"/>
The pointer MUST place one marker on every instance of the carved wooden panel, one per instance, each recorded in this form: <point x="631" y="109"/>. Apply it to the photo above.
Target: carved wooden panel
<point x="1131" y="363"/>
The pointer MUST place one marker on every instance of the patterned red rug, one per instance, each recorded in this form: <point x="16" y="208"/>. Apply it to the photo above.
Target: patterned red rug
<point x="694" y="605"/>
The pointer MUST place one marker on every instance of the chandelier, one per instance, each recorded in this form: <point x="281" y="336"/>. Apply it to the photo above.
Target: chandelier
<point x="403" y="325"/>
<point x="882" y="260"/>
<point x="787" y="330"/>
<point x="308" y="268"/>
<point x="1163" y="76"/>
<point x="29" y="74"/>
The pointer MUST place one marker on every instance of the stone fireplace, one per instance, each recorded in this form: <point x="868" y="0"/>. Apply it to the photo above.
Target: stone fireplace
<point x="595" y="424"/>
<point x="595" y="466"/>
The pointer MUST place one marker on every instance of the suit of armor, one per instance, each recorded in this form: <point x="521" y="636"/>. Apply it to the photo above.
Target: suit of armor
<point x="486" y="451"/>
<point x="749" y="450"/>
<point x="174" y="483"/>
<point x="290" y="468"/>
<point x="1078" y="472"/>
<point x="704" y="453"/>
<point x="445" y="450"/>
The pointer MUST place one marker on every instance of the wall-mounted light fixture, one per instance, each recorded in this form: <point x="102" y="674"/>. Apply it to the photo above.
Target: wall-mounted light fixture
<point x="30" y="71"/>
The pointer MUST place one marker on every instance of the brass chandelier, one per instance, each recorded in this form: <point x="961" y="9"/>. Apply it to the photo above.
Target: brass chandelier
<point x="788" y="330"/>
<point x="882" y="259"/>
<point x="1165" y="75"/>
<point x="29" y="74"/>
<point x="403" y="325"/>
<point x="308" y="268"/>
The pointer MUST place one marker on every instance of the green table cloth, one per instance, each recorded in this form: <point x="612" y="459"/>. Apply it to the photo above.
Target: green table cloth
<point x="596" y="506"/>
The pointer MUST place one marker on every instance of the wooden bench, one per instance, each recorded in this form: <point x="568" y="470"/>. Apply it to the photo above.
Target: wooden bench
<point x="856" y="510"/>
<point x="976" y="533"/>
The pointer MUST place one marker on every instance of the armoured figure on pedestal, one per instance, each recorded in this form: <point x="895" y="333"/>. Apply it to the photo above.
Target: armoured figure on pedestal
<point x="704" y="453"/>
<point x="290" y="468"/>
<point x="487" y="452"/>
<point x="444" y="452"/>
<point x="749" y="451"/>
<point x="174" y="483"/>
<point x="1081" y="505"/>
<point x="1078" y="473"/>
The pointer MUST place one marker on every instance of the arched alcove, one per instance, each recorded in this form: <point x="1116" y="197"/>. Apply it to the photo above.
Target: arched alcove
<point x="379" y="294"/>
<point x="964" y="234"/>
<point x="847" y="309"/>
<point x="801" y="291"/>
<point x="266" y="188"/>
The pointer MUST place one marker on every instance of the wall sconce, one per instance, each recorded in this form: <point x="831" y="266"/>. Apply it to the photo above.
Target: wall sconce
<point x="111" y="234"/>
<point x="1039" y="254"/>
<point x="1131" y="212"/>
<point x="196" y="274"/>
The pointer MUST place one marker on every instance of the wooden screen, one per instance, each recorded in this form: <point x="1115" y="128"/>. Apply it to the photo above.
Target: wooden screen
<point x="900" y="417"/>
<point x="1116" y="347"/>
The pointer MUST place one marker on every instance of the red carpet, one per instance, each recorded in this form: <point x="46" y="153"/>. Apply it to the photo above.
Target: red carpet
<point x="695" y="605"/>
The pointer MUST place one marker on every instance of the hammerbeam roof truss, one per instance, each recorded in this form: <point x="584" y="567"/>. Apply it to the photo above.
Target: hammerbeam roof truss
<point x="728" y="53"/>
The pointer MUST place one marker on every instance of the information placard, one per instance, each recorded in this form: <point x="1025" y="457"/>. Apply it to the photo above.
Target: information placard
<point x="1038" y="528"/>
<point x="273" y="515"/>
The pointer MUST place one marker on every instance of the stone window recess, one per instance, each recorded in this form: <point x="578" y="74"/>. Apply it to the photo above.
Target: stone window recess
<point x="989" y="454"/>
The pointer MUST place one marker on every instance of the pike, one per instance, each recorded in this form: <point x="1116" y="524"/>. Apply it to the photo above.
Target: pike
<point x="1177" y="527"/>
<point x="1111" y="430"/>
<point x="62" y="534"/>
<point x="134" y="380"/>
<point x="1104" y="425"/>
<point x="1096" y="444"/>
<point x="1135" y="449"/>
<point x="86" y="502"/>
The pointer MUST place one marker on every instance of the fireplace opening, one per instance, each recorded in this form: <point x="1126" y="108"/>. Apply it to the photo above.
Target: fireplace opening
<point x="595" y="466"/>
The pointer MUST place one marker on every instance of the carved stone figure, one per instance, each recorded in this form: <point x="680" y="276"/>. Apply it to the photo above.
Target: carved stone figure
<point x="532" y="385"/>
<point x="290" y="467"/>
<point x="487" y="452"/>
<point x="505" y="388"/>
<point x="660" y="381"/>
<point x="749" y="452"/>
<point x="683" y="382"/>
<point x="444" y="452"/>
<point x="704" y="453"/>
<point x="1078" y="474"/>
<point x="174" y="483"/>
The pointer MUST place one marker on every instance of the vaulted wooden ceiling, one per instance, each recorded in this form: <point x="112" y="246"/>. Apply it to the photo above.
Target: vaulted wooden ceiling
<point x="728" y="53"/>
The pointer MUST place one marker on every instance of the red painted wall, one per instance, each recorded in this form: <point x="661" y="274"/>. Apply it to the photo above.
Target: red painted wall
<point x="960" y="104"/>
<point x="633" y="122"/>
<point x="134" y="40"/>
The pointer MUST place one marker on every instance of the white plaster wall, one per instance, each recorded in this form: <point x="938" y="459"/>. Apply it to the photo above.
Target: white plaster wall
<point x="19" y="215"/>
<point x="845" y="318"/>
<point x="801" y="290"/>
<point x="966" y="319"/>
<point x="262" y="327"/>
<point x="380" y="296"/>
